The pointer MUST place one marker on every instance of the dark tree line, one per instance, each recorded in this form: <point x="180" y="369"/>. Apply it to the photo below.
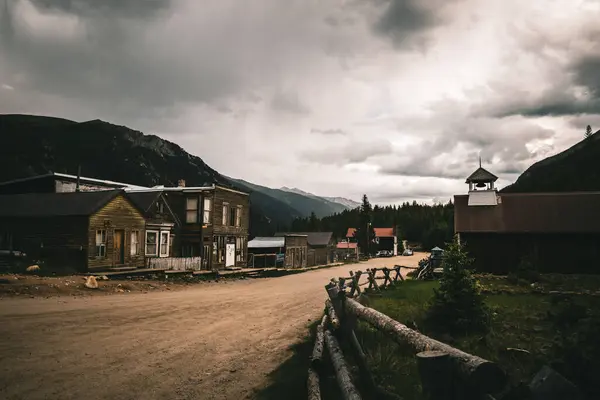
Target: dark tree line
<point x="429" y="225"/>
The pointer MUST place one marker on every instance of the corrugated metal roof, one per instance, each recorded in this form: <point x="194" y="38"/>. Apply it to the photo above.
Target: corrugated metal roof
<point x="531" y="212"/>
<point x="313" y="238"/>
<point x="483" y="198"/>
<point x="266" y="242"/>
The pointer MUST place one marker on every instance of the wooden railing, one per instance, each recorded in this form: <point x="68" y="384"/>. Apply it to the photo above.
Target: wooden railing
<point x="445" y="372"/>
<point x="175" y="263"/>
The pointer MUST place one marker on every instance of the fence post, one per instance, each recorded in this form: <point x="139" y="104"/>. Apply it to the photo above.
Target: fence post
<point x="436" y="375"/>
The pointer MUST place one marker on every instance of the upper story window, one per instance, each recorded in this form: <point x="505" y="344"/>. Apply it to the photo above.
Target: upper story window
<point x="238" y="217"/>
<point x="191" y="210"/>
<point x="232" y="215"/>
<point x="225" y="214"/>
<point x="207" y="216"/>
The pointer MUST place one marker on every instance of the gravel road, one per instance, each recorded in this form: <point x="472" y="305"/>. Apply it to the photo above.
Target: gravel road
<point x="217" y="341"/>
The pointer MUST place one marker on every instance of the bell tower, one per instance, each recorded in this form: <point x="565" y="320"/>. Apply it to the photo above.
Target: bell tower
<point x="481" y="187"/>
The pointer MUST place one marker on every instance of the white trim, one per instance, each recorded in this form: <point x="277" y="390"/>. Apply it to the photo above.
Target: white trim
<point x="160" y="244"/>
<point x="156" y="247"/>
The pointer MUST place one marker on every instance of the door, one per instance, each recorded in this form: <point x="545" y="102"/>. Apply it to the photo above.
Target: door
<point x="230" y="255"/>
<point x="119" y="247"/>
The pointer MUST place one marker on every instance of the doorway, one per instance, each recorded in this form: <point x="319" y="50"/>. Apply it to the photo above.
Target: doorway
<point x="230" y="255"/>
<point x="119" y="246"/>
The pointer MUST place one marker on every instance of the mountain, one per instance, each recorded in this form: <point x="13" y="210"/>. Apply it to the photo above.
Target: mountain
<point x="32" y="145"/>
<point x="303" y="202"/>
<point x="575" y="169"/>
<point x="347" y="203"/>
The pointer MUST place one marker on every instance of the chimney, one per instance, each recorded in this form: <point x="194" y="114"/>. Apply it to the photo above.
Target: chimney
<point x="78" y="178"/>
<point x="181" y="183"/>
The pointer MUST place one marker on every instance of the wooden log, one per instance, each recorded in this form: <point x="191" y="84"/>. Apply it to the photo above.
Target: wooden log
<point x="372" y="280"/>
<point x="314" y="389"/>
<point x="317" y="354"/>
<point x="436" y="375"/>
<point x="363" y="365"/>
<point x="482" y="375"/>
<point x="342" y="373"/>
<point x="333" y="319"/>
<point x="388" y="280"/>
<point x="397" y="268"/>
<point x="355" y="286"/>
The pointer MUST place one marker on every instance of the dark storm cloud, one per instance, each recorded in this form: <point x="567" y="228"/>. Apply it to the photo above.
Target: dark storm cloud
<point x="406" y="22"/>
<point x="122" y="8"/>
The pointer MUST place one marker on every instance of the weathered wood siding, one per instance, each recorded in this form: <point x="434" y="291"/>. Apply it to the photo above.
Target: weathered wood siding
<point x="560" y="253"/>
<point x="118" y="214"/>
<point x="232" y="233"/>
<point x="58" y="241"/>
<point x="296" y="251"/>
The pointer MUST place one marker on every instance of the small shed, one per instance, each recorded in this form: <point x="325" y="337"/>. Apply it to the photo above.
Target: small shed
<point x="289" y="251"/>
<point x="82" y="230"/>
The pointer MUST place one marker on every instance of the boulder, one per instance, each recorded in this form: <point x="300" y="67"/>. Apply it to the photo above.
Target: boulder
<point x="91" y="282"/>
<point x="33" y="268"/>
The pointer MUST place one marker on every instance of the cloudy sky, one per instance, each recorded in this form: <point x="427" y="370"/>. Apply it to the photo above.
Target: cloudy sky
<point x="393" y="98"/>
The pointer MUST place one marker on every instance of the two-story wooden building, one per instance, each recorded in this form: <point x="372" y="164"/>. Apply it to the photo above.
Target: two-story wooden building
<point x="210" y="222"/>
<point x="86" y="231"/>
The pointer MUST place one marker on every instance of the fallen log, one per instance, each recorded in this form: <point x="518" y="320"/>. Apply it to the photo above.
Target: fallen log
<point x="314" y="390"/>
<point x="342" y="373"/>
<point x="333" y="319"/>
<point x="317" y="354"/>
<point x="482" y="375"/>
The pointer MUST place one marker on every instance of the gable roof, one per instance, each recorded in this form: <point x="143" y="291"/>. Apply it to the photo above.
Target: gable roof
<point x="55" y="204"/>
<point x="379" y="232"/>
<point x="144" y="200"/>
<point x="313" y="238"/>
<point x="481" y="175"/>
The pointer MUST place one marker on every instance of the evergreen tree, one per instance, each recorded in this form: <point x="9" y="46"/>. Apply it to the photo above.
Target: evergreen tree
<point x="365" y="234"/>
<point x="588" y="131"/>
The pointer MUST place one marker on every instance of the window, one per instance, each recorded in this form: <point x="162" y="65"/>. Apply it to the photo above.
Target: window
<point x="207" y="210"/>
<point x="239" y="249"/>
<point x="164" y="244"/>
<point x="219" y="245"/>
<point x="232" y="216"/>
<point x="225" y="214"/>
<point x="238" y="217"/>
<point x="135" y="243"/>
<point x="101" y="243"/>
<point x="191" y="210"/>
<point x="151" y="243"/>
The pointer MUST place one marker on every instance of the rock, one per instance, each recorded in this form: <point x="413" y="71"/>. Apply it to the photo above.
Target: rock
<point x="33" y="268"/>
<point x="550" y="385"/>
<point x="91" y="282"/>
<point x="119" y="290"/>
<point x="103" y="277"/>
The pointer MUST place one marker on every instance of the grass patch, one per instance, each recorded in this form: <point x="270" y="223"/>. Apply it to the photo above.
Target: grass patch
<point x="521" y="318"/>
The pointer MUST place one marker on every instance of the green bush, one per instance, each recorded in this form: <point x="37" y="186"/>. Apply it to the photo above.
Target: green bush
<point x="457" y="306"/>
<point x="526" y="272"/>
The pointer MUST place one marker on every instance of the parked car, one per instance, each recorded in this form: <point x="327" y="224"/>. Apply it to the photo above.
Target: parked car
<point x="384" y="253"/>
<point x="407" y="252"/>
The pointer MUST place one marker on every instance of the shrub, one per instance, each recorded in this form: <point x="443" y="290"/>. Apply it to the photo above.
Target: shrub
<point x="457" y="306"/>
<point x="526" y="272"/>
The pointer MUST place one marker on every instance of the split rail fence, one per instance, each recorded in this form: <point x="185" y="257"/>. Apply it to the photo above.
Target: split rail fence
<point x="446" y="373"/>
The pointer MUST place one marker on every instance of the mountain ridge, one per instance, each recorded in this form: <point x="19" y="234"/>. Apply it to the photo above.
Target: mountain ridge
<point x="35" y="145"/>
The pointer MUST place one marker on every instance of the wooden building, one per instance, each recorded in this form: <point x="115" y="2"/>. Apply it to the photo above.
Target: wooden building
<point x="289" y="251"/>
<point x="346" y="251"/>
<point x="321" y="247"/>
<point x="560" y="232"/>
<point x="210" y="222"/>
<point x="385" y="239"/>
<point x="82" y="230"/>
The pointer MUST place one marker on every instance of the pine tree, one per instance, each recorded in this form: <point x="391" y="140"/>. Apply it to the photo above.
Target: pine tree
<point x="588" y="131"/>
<point x="365" y="234"/>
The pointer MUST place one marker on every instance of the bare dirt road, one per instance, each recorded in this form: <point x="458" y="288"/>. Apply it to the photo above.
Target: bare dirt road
<point x="217" y="341"/>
